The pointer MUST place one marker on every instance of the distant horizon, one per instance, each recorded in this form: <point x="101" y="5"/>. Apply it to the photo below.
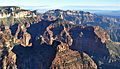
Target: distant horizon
<point x="102" y="8"/>
<point x="64" y="4"/>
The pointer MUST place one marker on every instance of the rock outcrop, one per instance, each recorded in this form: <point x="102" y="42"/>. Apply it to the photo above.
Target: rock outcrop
<point x="102" y="34"/>
<point x="69" y="59"/>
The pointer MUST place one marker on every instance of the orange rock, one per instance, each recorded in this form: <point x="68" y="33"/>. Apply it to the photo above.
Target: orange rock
<point x="72" y="59"/>
<point x="102" y="34"/>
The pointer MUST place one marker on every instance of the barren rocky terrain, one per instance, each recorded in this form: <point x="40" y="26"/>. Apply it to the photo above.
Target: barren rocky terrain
<point x="61" y="40"/>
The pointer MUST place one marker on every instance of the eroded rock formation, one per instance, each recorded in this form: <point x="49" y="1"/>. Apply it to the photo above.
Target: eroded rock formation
<point x="60" y="42"/>
<point x="69" y="59"/>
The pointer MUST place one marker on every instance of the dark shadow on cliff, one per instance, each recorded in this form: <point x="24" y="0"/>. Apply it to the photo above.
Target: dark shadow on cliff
<point x="35" y="57"/>
<point x="85" y="40"/>
<point x="38" y="56"/>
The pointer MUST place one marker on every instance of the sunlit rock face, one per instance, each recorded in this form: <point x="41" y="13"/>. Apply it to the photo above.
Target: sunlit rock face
<point x="72" y="59"/>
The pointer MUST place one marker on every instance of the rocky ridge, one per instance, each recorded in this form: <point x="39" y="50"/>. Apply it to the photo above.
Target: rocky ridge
<point x="45" y="52"/>
<point x="110" y="24"/>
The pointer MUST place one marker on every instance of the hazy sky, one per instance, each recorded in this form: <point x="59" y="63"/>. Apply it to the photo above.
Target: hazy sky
<point x="62" y="3"/>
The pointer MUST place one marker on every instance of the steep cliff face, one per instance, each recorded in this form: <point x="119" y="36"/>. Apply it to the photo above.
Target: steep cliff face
<point x="86" y="40"/>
